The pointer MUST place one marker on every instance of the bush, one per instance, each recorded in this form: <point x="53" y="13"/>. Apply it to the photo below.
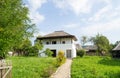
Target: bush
<point x="47" y="72"/>
<point x="81" y="53"/>
<point x="60" y="59"/>
<point x="48" y="52"/>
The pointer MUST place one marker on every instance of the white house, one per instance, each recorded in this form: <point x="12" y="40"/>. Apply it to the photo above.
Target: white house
<point x="59" y="40"/>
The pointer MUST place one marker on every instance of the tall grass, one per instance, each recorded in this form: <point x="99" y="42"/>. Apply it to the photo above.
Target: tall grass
<point x="95" y="67"/>
<point x="30" y="67"/>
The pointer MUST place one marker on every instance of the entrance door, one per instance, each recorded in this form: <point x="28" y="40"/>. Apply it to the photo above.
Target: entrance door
<point x="54" y="53"/>
<point x="68" y="53"/>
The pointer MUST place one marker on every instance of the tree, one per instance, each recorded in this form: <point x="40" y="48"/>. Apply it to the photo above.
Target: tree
<point x="15" y="25"/>
<point x="84" y="40"/>
<point x="101" y="42"/>
<point x="35" y="49"/>
<point x="116" y="43"/>
<point x="26" y="48"/>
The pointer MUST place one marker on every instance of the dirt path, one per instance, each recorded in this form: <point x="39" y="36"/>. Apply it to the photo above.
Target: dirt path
<point x="63" y="71"/>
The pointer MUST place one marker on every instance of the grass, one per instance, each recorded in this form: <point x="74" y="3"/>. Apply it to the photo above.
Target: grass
<point x="95" y="67"/>
<point x="30" y="67"/>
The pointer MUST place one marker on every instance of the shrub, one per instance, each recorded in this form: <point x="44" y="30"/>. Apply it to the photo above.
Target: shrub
<point x="60" y="58"/>
<point x="47" y="72"/>
<point x="33" y="51"/>
<point x="81" y="52"/>
<point x="48" y="52"/>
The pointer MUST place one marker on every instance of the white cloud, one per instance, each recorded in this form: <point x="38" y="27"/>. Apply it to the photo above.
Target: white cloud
<point x="101" y="13"/>
<point x="107" y="13"/>
<point x="36" y="17"/>
<point x="34" y="5"/>
<point x="71" y="26"/>
<point x="106" y="27"/>
<point x="77" y="6"/>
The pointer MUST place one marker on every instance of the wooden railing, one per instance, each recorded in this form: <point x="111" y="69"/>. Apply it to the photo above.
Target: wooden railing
<point x="5" y="69"/>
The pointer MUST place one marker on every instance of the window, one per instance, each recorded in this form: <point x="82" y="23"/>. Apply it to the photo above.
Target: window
<point x="53" y="42"/>
<point x="63" y="42"/>
<point x="47" y="42"/>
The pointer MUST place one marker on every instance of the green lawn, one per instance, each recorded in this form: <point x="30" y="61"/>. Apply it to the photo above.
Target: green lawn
<point x="95" y="67"/>
<point x="30" y="67"/>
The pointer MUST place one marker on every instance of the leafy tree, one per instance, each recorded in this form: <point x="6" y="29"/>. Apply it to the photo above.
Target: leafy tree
<point x="23" y="48"/>
<point x="15" y="24"/>
<point x="84" y="40"/>
<point x="38" y="45"/>
<point x="26" y="48"/>
<point x="116" y="43"/>
<point x="35" y="49"/>
<point x="101" y="42"/>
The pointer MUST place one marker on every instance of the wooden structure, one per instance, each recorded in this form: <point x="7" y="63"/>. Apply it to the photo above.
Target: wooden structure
<point x="90" y="49"/>
<point x="5" y="69"/>
<point x="116" y="51"/>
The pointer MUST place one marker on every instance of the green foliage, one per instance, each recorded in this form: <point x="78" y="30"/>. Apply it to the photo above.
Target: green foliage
<point x="102" y="43"/>
<point x="26" y="48"/>
<point x="81" y="52"/>
<point x="35" y="49"/>
<point x="116" y="43"/>
<point x="60" y="59"/>
<point x="48" y="52"/>
<point x="95" y="67"/>
<point x="84" y="40"/>
<point x="15" y="24"/>
<point x="47" y="72"/>
<point x="31" y="67"/>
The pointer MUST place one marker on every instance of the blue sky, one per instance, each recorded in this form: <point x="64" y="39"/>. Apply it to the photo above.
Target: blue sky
<point x="77" y="17"/>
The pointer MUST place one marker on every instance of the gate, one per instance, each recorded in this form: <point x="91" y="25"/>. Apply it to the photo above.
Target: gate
<point x="5" y="69"/>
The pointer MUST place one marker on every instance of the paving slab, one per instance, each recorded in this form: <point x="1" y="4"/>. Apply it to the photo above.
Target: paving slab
<point x="64" y="70"/>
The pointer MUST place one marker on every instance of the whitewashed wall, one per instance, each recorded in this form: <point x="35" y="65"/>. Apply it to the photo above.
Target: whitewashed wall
<point x="69" y="44"/>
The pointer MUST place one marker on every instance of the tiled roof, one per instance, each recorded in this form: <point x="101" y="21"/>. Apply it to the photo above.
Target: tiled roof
<point x="58" y="34"/>
<point x="117" y="47"/>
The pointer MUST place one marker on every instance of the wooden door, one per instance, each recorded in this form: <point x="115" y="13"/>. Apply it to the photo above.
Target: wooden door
<point x="68" y="53"/>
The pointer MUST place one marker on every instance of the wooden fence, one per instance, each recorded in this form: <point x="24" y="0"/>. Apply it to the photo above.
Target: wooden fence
<point x="5" y="69"/>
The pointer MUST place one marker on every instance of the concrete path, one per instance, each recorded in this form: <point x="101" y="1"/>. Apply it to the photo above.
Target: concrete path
<point x="63" y="71"/>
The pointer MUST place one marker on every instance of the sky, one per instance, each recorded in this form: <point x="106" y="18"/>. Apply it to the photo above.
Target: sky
<point x="77" y="17"/>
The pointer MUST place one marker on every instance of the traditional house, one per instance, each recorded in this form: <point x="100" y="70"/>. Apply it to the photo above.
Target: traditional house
<point x="59" y="40"/>
<point x="90" y="49"/>
<point x="116" y="51"/>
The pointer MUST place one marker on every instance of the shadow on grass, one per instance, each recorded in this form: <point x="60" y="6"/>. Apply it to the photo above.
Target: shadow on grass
<point x="110" y="61"/>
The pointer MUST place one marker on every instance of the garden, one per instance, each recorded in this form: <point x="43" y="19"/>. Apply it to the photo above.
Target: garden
<point x="95" y="67"/>
<point x="32" y="67"/>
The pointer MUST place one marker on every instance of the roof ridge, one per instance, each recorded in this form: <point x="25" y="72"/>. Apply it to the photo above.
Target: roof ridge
<point x="117" y="47"/>
<point x="58" y="34"/>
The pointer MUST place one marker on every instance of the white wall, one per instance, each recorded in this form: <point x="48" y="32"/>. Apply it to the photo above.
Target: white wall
<point x="69" y="44"/>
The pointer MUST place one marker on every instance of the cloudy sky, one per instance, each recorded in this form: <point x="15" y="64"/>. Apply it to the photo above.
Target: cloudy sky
<point x="77" y="17"/>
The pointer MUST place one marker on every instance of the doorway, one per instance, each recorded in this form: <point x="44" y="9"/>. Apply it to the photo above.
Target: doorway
<point x="54" y="53"/>
<point x="68" y="53"/>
